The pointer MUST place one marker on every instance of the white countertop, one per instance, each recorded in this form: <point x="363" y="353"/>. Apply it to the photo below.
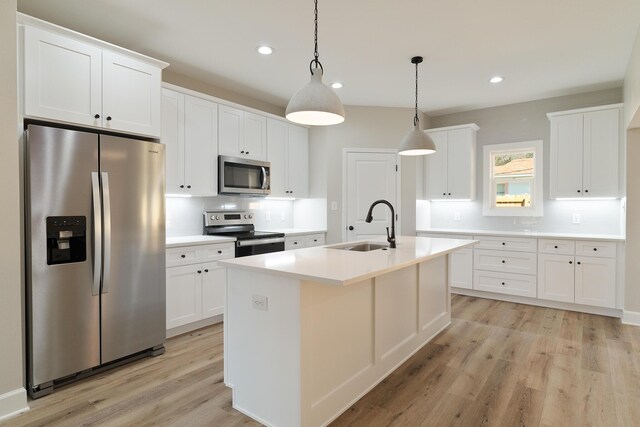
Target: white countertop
<point x="611" y="237"/>
<point x="296" y="231"/>
<point x="173" y="242"/>
<point x="325" y="264"/>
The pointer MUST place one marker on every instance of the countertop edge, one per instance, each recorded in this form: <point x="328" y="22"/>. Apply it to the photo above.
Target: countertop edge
<point x="200" y="242"/>
<point x="293" y="232"/>
<point x="539" y="235"/>
<point x="352" y="280"/>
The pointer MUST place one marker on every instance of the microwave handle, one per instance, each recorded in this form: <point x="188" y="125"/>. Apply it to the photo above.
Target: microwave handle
<point x="264" y="178"/>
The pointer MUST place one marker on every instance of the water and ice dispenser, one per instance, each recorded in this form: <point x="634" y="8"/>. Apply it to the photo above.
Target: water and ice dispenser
<point x="66" y="239"/>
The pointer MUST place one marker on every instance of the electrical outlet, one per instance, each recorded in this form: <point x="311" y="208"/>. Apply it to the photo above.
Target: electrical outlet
<point x="457" y="216"/>
<point x="260" y="302"/>
<point x="576" y="218"/>
<point x="267" y="216"/>
<point x="334" y="206"/>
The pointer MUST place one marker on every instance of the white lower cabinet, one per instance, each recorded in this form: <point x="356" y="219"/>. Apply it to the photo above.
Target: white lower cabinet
<point x="300" y="241"/>
<point x="556" y="277"/>
<point x="196" y="283"/>
<point x="595" y="281"/>
<point x="505" y="283"/>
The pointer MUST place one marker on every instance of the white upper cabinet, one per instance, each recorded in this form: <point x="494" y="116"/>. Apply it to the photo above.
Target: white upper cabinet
<point x="62" y="78"/>
<point x="242" y="134"/>
<point x="130" y="94"/>
<point x="450" y="171"/>
<point x="73" y="78"/>
<point x="190" y="132"/>
<point x="585" y="152"/>
<point x="288" y="152"/>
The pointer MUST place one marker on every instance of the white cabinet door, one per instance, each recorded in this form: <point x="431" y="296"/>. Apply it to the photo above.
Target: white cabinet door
<point x="201" y="146"/>
<point x="556" y="277"/>
<point x="461" y="164"/>
<point x="173" y="139"/>
<point x="436" y="168"/>
<point x="254" y="144"/>
<point x="277" y="135"/>
<point x="63" y="78"/>
<point x="461" y="268"/>
<point x="184" y="295"/>
<point x="298" y="162"/>
<point x="596" y="281"/>
<point x="131" y="92"/>
<point x="230" y="131"/>
<point x="214" y="283"/>
<point x="601" y="153"/>
<point x="566" y="156"/>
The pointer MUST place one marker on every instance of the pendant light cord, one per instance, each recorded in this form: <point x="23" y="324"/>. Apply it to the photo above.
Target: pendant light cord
<point x="316" y="55"/>
<point x="416" y="120"/>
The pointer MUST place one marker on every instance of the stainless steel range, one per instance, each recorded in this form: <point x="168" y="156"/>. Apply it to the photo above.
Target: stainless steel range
<point x="239" y="224"/>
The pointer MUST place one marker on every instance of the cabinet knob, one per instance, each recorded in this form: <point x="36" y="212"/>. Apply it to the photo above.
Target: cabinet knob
<point x="502" y="283"/>
<point x="199" y="271"/>
<point x="555" y="247"/>
<point x="247" y="152"/>
<point x="183" y="256"/>
<point x="108" y="118"/>
<point x="570" y="262"/>
<point x="586" y="191"/>
<point x="219" y="252"/>
<point x="449" y="194"/>
<point x="315" y="240"/>
<point x="504" y="244"/>
<point x="578" y="263"/>
<point x="595" y="249"/>
<point x="97" y="116"/>
<point x="188" y="186"/>
<point x="295" y="243"/>
<point x="444" y="194"/>
<point x="182" y="186"/>
<point x="578" y="191"/>
<point x="242" y="152"/>
<point x="503" y="261"/>
<point x="206" y="270"/>
<point x="351" y="228"/>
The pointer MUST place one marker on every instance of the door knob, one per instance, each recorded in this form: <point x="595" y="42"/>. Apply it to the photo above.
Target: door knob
<point x="351" y="228"/>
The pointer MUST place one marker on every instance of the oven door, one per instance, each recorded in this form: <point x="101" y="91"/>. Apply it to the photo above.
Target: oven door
<point x="259" y="246"/>
<point x="244" y="176"/>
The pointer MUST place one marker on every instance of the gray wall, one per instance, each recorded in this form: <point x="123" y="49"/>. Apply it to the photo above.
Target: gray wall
<point x="525" y="122"/>
<point x="364" y="127"/>
<point x="11" y="370"/>
<point x="632" y="120"/>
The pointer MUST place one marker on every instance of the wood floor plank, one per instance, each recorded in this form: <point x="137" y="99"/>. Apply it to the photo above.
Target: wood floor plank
<point x="498" y="364"/>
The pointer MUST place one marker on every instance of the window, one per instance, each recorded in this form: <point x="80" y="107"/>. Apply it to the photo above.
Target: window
<point x="513" y="179"/>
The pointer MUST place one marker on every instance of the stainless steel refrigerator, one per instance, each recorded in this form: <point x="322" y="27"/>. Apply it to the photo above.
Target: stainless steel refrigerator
<point x="95" y="251"/>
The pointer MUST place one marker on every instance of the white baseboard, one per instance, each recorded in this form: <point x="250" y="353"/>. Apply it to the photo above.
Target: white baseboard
<point x="13" y="403"/>
<point x="631" y="318"/>
<point x="193" y="326"/>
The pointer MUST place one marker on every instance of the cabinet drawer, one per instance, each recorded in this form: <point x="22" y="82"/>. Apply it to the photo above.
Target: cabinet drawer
<point x="560" y="247"/>
<point x="431" y="235"/>
<point x="206" y="253"/>
<point x="294" y="243"/>
<point x="509" y="262"/>
<point x="596" y="249"/>
<point x="520" y="244"/>
<point x="505" y="283"/>
<point x="459" y="236"/>
<point x="314" y="240"/>
<point x="181" y="256"/>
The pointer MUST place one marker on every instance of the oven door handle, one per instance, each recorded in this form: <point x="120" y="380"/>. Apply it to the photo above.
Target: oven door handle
<point x="264" y="178"/>
<point x="257" y="242"/>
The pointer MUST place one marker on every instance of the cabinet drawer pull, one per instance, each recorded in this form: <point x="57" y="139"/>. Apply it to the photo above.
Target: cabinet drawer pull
<point x="578" y="191"/>
<point x="504" y="262"/>
<point x="595" y="249"/>
<point x="242" y="152"/>
<point x="247" y="152"/>
<point x="183" y="256"/>
<point x="578" y="263"/>
<point x="108" y="118"/>
<point x="555" y="247"/>
<point x="206" y="270"/>
<point x="586" y="191"/>
<point x="295" y="243"/>
<point x="570" y="262"/>
<point x="219" y="252"/>
<point x="188" y="186"/>
<point x="97" y="116"/>
<point x="444" y="194"/>
<point x="182" y="186"/>
<point x="504" y="244"/>
<point x="199" y="271"/>
<point x="502" y="283"/>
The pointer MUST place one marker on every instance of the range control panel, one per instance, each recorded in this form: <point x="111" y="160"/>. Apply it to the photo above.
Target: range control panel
<point x="228" y="218"/>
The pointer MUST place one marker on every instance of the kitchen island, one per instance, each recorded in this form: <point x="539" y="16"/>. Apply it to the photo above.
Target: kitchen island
<point x="310" y="331"/>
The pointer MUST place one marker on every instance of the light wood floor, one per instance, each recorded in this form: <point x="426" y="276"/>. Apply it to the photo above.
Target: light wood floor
<point x="497" y="364"/>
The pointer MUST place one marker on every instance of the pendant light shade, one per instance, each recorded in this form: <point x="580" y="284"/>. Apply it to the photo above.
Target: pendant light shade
<point x="417" y="142"/>
<point x="315" y="104"/>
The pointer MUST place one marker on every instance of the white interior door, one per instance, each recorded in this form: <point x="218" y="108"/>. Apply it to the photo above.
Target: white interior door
<point x="370" y="176"/>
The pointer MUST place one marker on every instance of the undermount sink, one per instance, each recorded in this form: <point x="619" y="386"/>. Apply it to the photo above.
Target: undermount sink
<point x="362" y="247"/>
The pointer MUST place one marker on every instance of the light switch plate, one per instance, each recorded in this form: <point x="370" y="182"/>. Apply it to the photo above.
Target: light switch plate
<point x="260" y="302"/>
<point x="576" y="218"/>
<point x="457" y="216"/>
<point x="334" y="206"/>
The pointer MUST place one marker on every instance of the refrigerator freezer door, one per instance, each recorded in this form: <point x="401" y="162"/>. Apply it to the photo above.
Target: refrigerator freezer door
<point x="133" y="302"/>
<point x="63" y="333"/>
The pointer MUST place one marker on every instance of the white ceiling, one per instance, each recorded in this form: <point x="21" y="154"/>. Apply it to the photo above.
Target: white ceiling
<point x="543" y="48"/>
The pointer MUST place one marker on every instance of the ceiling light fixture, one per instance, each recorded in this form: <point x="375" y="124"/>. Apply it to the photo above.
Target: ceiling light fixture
<point x="496" y="79"/>
<point x="417" y="142"/>
<point x="265" y="50"/>
<point x="337" y="85"/>
<point x="315" y="104"/>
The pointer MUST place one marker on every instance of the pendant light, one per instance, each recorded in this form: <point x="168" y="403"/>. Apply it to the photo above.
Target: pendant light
<point x="417" y="142"/>
<point x="315" y="104"/>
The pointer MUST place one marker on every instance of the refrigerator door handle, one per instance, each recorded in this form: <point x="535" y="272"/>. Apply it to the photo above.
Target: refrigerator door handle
<point x="97" y="233"/>
<point x="106" y="205"/>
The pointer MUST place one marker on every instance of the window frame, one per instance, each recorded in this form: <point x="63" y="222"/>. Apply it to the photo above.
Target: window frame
<point x="537" y="197"/>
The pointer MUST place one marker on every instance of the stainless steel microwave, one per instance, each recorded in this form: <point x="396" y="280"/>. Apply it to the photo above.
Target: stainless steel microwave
<point x="244" y="176"/>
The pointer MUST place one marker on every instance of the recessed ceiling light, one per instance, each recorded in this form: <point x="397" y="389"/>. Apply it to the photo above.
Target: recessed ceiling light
<point x="496" y="79"/>
<point x="264" y="50"/>
<point x="336" y="85"/>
